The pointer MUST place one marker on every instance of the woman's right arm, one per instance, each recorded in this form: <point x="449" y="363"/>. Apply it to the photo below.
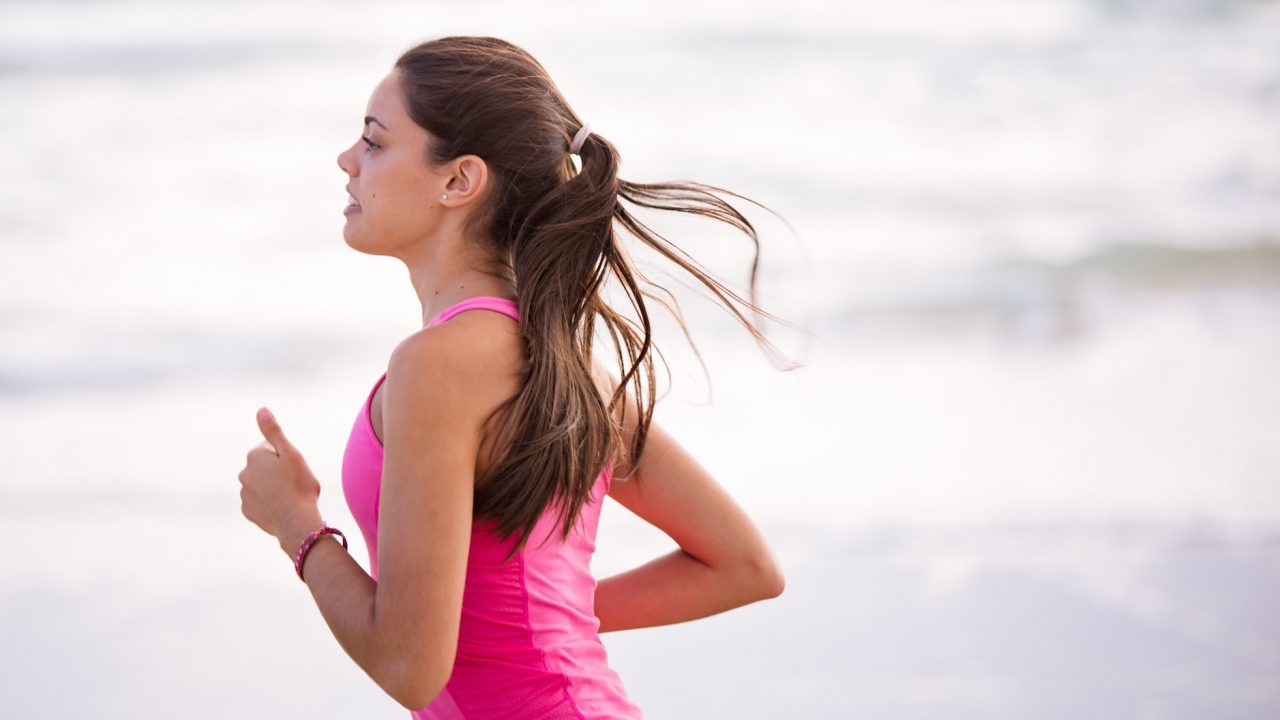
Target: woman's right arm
<point x="723" y="561"/>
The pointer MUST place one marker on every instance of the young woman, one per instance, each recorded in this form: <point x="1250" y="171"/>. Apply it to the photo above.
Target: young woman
<point x="479" y="461"/>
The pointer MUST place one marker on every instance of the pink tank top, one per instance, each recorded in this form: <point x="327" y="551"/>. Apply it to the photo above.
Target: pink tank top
<point x="528" y="645"/>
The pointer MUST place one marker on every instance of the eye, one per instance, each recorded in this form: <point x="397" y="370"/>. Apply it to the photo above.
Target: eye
<point x="372" y="145"/>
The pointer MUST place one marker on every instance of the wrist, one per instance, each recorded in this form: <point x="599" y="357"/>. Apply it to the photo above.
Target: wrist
<point x="297" y="531"/>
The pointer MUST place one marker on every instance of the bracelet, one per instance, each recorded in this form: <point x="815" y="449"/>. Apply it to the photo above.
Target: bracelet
<point x="305" y="547"/>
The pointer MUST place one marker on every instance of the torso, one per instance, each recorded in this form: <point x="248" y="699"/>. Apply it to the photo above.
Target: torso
<point x="527" y="624"/>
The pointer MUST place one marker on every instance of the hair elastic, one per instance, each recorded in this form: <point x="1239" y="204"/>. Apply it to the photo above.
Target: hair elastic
<point x="579" y="138"/>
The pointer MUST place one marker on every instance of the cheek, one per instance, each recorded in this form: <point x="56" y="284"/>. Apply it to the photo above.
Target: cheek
<point x="396" y="216"/>
<point x="389" y="211"/>
<point x="406" y="205"/>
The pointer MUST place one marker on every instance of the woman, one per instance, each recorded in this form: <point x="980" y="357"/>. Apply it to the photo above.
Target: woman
<point x="477" y="465"/>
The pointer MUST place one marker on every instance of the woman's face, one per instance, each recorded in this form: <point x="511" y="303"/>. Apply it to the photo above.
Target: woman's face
<point x="396" y="194"/>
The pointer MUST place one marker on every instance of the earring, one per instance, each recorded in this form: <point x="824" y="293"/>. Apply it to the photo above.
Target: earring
<point x="444" y="197"/>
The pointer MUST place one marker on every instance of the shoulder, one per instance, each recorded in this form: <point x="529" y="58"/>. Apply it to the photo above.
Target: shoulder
<point x="625" y="416"/>
<point x="472" y="362"/>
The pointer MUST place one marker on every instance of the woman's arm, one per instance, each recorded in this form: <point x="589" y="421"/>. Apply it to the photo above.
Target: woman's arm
<point x="723" y="561"/>
<point x="402" y="630"/>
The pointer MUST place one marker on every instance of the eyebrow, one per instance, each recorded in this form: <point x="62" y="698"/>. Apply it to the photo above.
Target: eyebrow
<point x="371" y="119"/>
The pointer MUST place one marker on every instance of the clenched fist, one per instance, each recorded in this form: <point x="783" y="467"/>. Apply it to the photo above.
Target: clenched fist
<point x="278" y="492"/>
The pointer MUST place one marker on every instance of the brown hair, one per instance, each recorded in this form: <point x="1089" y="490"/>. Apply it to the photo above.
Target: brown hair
<point x="552" y="227"/>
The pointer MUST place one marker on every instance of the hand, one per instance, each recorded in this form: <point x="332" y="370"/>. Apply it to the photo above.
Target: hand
<point x="278" y="491"/>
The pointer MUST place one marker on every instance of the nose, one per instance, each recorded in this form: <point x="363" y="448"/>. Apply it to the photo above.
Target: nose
<point x="346" y="162"/>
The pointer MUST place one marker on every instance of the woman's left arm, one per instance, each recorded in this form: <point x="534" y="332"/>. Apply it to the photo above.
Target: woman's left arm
<point x="402" y="629"/>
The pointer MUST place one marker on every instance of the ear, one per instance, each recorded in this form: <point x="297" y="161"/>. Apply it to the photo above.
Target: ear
<point x="470" y="177"/>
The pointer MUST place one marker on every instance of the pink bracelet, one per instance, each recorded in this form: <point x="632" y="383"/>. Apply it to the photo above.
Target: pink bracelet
<point x="305" y="547"/>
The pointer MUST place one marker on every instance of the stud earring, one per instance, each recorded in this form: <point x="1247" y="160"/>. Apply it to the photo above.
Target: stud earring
<point x="444" y="197"/>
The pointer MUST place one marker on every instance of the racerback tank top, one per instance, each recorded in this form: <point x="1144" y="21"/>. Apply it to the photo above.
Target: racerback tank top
<point x="528" y="641"/>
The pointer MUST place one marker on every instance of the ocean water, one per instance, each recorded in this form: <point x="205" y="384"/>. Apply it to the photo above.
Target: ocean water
<point x="1030" y="465"/>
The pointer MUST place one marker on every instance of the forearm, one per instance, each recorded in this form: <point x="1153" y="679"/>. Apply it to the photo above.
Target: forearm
<point x="673" y="588"/>
<point x="344" y="594"/>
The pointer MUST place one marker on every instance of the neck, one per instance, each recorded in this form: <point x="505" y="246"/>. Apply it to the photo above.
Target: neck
<point x="448" y="276"/>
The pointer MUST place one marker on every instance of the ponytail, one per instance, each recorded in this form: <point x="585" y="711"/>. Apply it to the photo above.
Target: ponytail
<point x="556" y="228"/>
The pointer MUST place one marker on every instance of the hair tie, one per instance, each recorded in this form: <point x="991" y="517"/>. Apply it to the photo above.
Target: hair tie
<point x="580" y="138"/>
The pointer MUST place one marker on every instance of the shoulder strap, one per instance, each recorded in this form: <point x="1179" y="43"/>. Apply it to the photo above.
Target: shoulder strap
<point x="480" y="302"/>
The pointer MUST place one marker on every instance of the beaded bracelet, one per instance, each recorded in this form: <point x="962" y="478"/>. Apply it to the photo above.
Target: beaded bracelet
<point x="305" y="547"/>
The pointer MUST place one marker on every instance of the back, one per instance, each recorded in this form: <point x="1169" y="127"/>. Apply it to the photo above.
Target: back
<point x="528" y="643"/>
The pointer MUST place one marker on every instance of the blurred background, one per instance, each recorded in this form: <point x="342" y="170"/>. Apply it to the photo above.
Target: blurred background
<point x="1030" y="466"/>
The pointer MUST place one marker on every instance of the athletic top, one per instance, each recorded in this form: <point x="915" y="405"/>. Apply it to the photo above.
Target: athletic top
<point x="528" y="641"/>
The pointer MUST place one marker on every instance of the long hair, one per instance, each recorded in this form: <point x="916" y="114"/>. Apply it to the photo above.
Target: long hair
<point x="552" y="227"/>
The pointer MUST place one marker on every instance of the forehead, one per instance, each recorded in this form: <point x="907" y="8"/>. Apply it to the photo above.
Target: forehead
<point x="386" y="102"/>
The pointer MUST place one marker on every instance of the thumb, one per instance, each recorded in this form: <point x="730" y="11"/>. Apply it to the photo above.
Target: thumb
<point x="272" y="432"/>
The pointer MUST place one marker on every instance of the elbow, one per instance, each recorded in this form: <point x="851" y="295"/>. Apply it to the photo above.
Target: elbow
<point x="416" y="687"/>
<point x="767" y="578"/>
<point x="754" y="578"/>
<point x="773" y="582"/>
<point x="415" y="697"/>
<point x="416" y="702"/>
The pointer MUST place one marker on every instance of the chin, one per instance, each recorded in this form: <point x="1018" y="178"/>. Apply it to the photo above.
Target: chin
<point x="347" y="235"/>
<point x="362" y="242"/>
<point x="354" y="240"/>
